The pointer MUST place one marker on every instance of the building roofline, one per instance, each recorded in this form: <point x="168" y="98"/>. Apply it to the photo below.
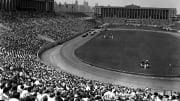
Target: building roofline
<point x="135" y="7"/>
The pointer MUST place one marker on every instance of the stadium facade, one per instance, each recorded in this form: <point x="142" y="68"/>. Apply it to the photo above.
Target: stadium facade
<point x="33" y="5"/>
<point x="136" y="14"/>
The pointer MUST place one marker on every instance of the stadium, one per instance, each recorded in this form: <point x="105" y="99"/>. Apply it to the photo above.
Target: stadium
<point x="128" y="53"/>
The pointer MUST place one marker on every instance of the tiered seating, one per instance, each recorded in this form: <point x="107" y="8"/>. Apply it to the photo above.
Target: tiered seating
<point x="23" y="78"/>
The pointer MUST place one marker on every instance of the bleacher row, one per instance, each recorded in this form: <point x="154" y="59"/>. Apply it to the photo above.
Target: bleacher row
<point x="24" y="78"/>
<point x="136" y="21"/>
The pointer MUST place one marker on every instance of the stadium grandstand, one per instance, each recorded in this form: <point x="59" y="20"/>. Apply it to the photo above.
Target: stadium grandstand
<point x="33" y="5"/>
<point x="23" y="77"/>
<point x="136" y="14"/>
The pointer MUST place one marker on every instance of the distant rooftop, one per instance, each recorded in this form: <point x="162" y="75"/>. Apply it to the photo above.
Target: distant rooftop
<point x="136" y="6"/>
<point x="132" y="6"/>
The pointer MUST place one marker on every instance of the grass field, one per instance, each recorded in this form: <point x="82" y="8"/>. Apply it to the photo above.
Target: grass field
<point x="128" y="48"/>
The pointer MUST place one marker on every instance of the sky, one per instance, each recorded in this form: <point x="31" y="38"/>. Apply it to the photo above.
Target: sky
<point x="142" y="3"/>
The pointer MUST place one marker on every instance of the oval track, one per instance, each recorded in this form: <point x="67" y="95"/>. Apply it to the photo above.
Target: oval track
<point x="62" y="56"/>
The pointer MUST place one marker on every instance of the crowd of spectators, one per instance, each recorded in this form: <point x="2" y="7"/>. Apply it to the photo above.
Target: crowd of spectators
<point x="143" y="22"/>
<point x="24" y="29"/>
<point x="24" y="78"/>
<point x="114" y="21"/>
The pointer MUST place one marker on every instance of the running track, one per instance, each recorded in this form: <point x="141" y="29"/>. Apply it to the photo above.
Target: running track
<point x="62" y="56"/>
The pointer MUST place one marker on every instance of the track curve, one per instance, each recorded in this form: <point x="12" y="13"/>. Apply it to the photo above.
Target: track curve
<point x="63" y="57"/>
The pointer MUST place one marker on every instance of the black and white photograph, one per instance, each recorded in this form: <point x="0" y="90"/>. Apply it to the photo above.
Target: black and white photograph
<point x="89" y="50"/>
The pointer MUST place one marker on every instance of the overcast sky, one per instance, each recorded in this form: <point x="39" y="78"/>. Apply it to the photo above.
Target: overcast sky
<point x="143" y="3"/>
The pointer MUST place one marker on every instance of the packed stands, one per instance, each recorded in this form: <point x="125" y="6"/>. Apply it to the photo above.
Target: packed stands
<point x="144" y="22"/>
<point x="24" y="78"/>
<point x="176" y="25"/>
<point x="77" y="14"/>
